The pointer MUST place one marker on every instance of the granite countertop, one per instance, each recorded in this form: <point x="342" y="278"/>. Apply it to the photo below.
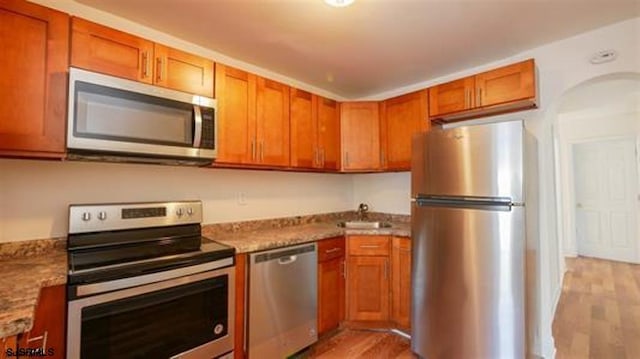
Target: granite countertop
<point x="262" y="239"/>
<point x="28" y="266"/>
<point x="20" y="284"/>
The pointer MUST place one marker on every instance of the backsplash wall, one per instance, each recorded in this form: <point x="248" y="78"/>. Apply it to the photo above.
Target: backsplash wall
<point x="383" y="192"/>
<point x="34" y="195"/>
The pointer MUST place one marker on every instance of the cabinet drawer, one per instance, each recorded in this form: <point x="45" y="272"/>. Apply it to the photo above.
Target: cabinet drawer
<point x="368" y="245"/>
<point x="330" y="248"/>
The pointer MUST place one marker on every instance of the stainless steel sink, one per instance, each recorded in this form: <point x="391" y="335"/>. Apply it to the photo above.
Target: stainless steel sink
<point x="364" y="225"/>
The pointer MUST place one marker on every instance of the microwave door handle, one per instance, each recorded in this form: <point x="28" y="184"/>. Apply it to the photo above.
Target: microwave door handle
<point x="197" y="128"/>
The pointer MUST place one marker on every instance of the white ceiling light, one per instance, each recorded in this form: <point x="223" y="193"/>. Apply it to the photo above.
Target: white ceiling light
<point x="339" y="3"/>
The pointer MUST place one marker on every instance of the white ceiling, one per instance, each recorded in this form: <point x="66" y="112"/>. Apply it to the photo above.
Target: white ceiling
<point x="372" y="46"/>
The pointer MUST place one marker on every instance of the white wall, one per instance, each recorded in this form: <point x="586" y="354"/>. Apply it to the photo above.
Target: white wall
<point x="384" y="192"/>
<point x="34" y="195"/>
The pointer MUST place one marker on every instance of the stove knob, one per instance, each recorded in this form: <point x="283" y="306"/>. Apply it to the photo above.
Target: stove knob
<point x="179" y="212"/>
<point x="86" y="216"/>
<point x="102" y="215"/>
<point x="190" y="211"/>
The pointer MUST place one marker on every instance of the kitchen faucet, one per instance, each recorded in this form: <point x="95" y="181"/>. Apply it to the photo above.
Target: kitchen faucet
<point x="363" y="208"/>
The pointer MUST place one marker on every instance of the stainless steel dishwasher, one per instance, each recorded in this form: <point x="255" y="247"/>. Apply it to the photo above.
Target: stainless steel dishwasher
<point x="282" y="301"/>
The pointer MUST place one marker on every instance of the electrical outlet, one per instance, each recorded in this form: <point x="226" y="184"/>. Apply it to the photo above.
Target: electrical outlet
<point x="242" y="199"/>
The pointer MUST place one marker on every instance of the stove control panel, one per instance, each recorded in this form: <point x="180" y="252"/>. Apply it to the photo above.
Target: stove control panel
<point x="116" y="216"/>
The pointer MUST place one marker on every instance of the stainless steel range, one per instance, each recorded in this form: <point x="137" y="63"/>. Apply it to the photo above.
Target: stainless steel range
<point x="141" y="285"/>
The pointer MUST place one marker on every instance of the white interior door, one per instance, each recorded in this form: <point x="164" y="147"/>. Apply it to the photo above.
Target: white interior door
<point x="606" y="193"/>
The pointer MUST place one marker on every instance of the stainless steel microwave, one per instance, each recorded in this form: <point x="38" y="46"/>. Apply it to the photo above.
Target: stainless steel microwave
<point x="113" y="119"/>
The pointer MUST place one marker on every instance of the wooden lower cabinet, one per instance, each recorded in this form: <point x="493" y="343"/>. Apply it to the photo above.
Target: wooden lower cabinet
<point x="8" y="346"/>
<point x="368" y="287"/>
<point x="368" y="278"/>
<point x="48" y="331"/>
<point x="239" y="315"/>
<point x="379" y="280"/>
<point x="401" y="282"/>
<point x="331" y="284"/>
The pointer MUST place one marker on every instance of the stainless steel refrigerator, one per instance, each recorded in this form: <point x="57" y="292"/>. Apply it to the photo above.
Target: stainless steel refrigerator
<point x="468" y="229"/>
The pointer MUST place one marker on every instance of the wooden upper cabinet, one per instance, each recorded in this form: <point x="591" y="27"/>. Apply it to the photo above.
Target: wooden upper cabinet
<point x="99" y="48"/>
<point x="328" y="133"/>
<point x="272" y="123"/>
<point x="33" y="79"/>
<point x="315" y="131"/>
<point x="402" y="118"/>
<point x="401" y="282"/>
<point x="102" y="49"/>
<point x="506" y="84"/>
<point x="304" y="147"/>
<point x="182" y="71"/>
<point x="236" y="95"/>
<point x="360" y="136"/>
<point x="451" y="97"/>
<point x="506" y="89"/>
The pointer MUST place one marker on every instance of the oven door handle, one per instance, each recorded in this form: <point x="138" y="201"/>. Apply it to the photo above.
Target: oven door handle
<point x="197" y="126"/>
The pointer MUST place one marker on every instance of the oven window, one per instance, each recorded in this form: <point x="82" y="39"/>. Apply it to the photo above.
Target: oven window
<point x="156" y="325"/>
<point x="114" y="114"/>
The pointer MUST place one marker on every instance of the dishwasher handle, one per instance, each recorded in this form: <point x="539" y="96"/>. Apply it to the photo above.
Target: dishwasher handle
<point x="283" y="255"/>
<point x="287" y="260"/>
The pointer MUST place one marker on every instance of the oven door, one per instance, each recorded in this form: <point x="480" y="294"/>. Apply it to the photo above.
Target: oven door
<point x="113" y="115"/>
<point x="186" y="317"/>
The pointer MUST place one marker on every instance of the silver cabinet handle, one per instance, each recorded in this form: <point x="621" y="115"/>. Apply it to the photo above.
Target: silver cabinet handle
<point x="42" y="337"/>
<point x="322" y="157"/>
<point x="145" y="64"/>
<point x="197" y="128"/>
<point x="332" y="250"/>
<point x="369" y="246"/>
<point x="253" y="150"/>
<point x="316" y="156"/>
<point x="386" y="268"/>
<point x="479" y="96"/>
<point x="261" y="151"/>
<point x="159" y="69"/>
<point x="344" y="269"/>
<point x="346" y="159"/>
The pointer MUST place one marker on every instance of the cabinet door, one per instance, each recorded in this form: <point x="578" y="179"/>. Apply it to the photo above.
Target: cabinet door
<point x="328" y="133"/>
<point x="272" y="123"/>
<point x="8" y="347"/>
<point x="102" y="49"/>
<point x="48" y="329"/>
<point x="360" y="130"/>
<point x="304" y="148"/>
<point x="402" y="117"/>
<point x="368" y="288"/>
<point x="401" y="282"/>
<point x="506" y="84"/>
<point x="182" y="71"/>
<point x="33" y="79"/>
<point x="236" y="95"/>
<point x="451" y="97"/>
<point x="330" y="294"/>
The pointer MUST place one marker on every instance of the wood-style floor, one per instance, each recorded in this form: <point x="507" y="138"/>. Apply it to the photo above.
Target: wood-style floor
<point x="598" y="315"/>
<point x="361" y="344"/>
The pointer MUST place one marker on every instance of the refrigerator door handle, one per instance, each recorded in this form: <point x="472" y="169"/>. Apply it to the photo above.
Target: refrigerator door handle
<point x="486" y="203"/>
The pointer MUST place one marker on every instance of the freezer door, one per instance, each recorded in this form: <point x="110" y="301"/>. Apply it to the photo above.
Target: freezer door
<point x="481" y="160"/>
<point x="468" y="282"/>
